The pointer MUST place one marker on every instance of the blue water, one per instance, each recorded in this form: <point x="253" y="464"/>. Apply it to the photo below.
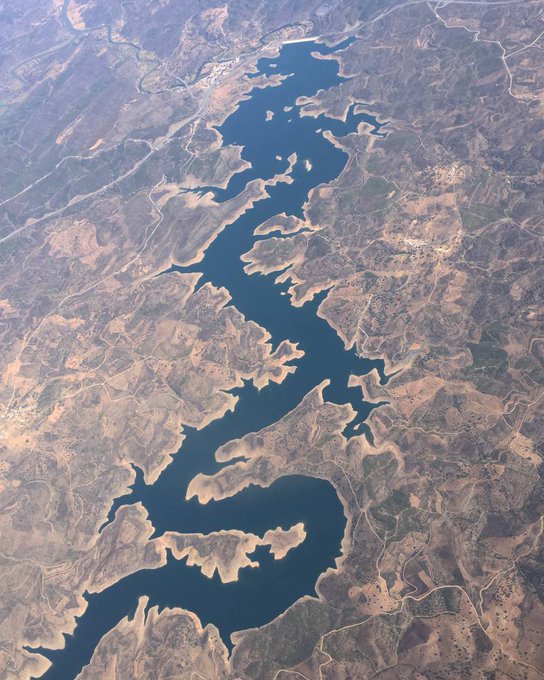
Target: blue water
<point x="260" y="594"/>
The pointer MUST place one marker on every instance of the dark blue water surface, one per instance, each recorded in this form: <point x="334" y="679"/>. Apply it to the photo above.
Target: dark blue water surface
<point x="260" y="594"/>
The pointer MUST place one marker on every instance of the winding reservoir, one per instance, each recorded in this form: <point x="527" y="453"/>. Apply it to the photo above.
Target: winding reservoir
<point x="260" y="594"/>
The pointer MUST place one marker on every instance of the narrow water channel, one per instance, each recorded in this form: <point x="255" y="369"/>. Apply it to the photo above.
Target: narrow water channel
<point x="260" y="594"/>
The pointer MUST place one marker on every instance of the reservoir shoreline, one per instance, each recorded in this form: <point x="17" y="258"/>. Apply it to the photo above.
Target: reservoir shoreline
<point x="261" y="594"/>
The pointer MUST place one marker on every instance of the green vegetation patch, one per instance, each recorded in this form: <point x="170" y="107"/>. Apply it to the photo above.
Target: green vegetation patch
<point x="478" y="216"/>
<point x="443" y="601"/>
<point x="372" y="463"/>
<point x="386" y="521"/>
<point x="376" y="186"/>
<point x="292" y="640"/>
<point x="396" y="502"/>
<point x="487" y="354"/>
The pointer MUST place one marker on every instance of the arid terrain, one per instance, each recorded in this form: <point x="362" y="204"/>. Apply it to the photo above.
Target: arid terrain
<point x="431" y="243"/>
